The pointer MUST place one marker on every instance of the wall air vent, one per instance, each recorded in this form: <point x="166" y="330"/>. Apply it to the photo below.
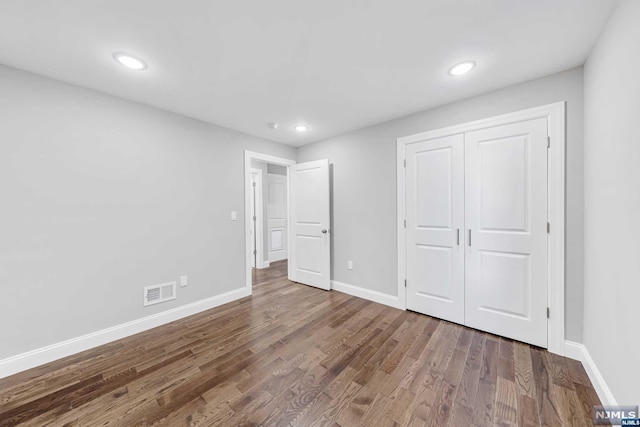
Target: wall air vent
<point x="159" y="293"/>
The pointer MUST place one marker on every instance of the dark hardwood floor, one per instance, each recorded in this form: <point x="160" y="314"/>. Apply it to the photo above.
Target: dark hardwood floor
<point x="295" y="355"/>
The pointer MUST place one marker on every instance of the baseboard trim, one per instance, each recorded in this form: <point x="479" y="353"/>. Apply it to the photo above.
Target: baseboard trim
<point x="277" y="257"/>
<point x="579" y="352"/>
<point x="375" y="296"/>
<point x="263" y="264"/>
<point x="40" y="356"/>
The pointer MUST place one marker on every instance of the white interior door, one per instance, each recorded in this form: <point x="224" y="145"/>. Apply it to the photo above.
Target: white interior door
<point x="310" y="224"/>
<point x="435" y="226"/>
<point x="277" y="217"/>
<point x="506" y="220"/>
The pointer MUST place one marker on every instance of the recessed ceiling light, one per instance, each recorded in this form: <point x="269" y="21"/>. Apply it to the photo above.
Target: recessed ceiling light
<point x="301" y="128"/>
<point x="129" y="61"/>
<point x="462" y="68"/>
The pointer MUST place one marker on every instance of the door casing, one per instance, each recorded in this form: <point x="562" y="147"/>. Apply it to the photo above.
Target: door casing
<point x="258" y="242"/>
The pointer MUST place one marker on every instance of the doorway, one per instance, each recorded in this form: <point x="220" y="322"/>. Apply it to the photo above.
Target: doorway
<point x="266" y="212"/>
<point x="465" y="258"/>
<point x="269" y="213"/>
<point x="300" y="229"/>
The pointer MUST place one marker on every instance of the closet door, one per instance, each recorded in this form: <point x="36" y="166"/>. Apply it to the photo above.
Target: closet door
<point x="434" y="229"/>
<point x="506" y="221"/>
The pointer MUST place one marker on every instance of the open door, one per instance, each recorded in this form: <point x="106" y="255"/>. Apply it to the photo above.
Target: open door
<point x="310" y="261"/>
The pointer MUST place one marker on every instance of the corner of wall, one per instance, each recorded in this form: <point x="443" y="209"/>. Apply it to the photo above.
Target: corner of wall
<point x="580" y="353"/>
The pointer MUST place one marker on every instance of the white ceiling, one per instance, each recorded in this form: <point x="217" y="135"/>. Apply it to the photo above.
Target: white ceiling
<point x="336" y="65"/>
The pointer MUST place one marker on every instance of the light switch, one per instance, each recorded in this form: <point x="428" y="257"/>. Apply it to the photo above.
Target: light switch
<point x="184" y="280"/>
<point x="350" y="265"/>
<point x="234" y="216"/>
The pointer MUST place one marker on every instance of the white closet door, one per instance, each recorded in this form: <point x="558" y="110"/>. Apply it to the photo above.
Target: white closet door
<point x="506" y="221"/>
<point x="435" y="227"/>
<point x="277" y="217"/>
<point x="310" y="224"/>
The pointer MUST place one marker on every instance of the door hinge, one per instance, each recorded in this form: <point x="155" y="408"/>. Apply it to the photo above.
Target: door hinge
<point x="548" y="313"/>
<point x="254" y="184"/>
<point x="548" y="228"/>
<point x="254" y="218"/>
<point x="405" y="283"/>
<point x="405" y="163"/>
<point x="548" y="142"/>
<point x="405" y="223"/>
<point x="254" y="252"/>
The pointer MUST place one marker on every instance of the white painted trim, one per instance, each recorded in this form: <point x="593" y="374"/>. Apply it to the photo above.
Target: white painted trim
<point x="278" y="257"/>
<point x="579" y="352"/>
<point x="259" y="212"/>
<point x="375" y="296"/>
<point x="40" y="356"/>
<point x="248" y="156"/>
<point x="504" y="119"/>
<point x="555" y="114"/>
<point x="400" y="230"/>
<point x="556" y="243"/>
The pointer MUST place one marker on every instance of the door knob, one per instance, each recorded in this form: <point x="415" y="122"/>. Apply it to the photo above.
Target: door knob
<point x="325" y="231"/>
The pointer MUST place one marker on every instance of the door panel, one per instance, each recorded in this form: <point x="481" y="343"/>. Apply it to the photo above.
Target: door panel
<point x="277" y="217"/>
<point x="506" y="220"/>
<point x="506" y="277"/>
<point x="435" y="272"/>
<point x="310" y="223"/>
<point x="503" y="178"/>
<point x="311" y="247"/>
<point x="435" y="219"/>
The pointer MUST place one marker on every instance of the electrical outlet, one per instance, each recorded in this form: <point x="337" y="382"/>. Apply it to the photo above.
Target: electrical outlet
<point x="350" y="265"/>
<point x="234" y="216"/>
<point x="184" y="281"/>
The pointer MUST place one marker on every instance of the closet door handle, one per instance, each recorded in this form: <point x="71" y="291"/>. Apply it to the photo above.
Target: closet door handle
<point x="469" y="237"/>
<point x="458" y="237"/>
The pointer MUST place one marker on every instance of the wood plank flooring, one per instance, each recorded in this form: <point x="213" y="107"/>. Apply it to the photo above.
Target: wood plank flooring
<point x="296" y="355"/>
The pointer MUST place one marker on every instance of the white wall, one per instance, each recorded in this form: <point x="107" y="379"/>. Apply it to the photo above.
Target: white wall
<point x="364" y="170"/>
<point x="612" y="203"/>
<point x="101" y="197"/>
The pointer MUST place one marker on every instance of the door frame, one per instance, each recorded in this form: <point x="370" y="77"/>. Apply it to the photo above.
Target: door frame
<point x="555" y="115"/>
<point x="266" y="158"/>
<point x="259" y="213"/>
